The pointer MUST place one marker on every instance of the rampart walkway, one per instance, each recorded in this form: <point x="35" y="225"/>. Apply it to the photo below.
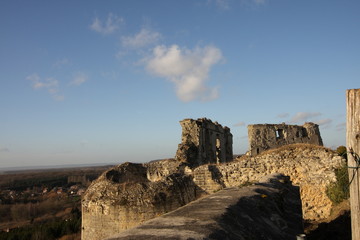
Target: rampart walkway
<point x="268" y="210"/>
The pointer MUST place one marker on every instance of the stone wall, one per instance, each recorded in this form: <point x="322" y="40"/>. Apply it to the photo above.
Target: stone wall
<point x="270" y="209"/>
<point x="310" y="167"/>
<point x="203" y="142"/>
<point x="129" y="194"/>
<point x="263" y="137"/>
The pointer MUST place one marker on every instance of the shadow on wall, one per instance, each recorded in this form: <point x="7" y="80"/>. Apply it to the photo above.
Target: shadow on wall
<point x="216" y="175"/>
<point x="265" y="215"/>
<point x="269" y="210"/>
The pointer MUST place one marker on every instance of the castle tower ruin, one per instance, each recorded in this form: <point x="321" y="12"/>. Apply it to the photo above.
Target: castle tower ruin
<point x="266" y="136"/>
<point x="204" y="141"/>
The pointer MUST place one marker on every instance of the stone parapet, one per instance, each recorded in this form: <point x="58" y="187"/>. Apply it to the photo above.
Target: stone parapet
<point x="129" y="194"/>
<point x="270" y="209"/>
<point x="310" y="167"/>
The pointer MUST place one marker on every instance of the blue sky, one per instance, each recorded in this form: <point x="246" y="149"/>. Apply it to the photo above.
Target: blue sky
<point x="108" y="81"/>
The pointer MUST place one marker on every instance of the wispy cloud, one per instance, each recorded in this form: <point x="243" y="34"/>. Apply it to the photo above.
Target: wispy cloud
<point x="283" y="115"/>
<point x="109" y="26"/>
<point x="50" y="84"/>
<point x="304" y="116"/>
<point x="144" y="38"/>
<point x="79" y="79"/>
<point x="239" y="124"/>
<point x="37" y="83"/>
<point x="325" y="123"/>
<point x="187" y="69"/>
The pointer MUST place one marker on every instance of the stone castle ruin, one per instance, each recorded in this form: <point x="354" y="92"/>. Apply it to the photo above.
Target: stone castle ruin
<point x="263" y="137"/>
<point x="203" y="142"/>
<point x="127" y="195"/>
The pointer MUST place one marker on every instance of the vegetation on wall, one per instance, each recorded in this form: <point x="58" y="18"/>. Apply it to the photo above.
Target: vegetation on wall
<point x="341" y="150"/>
<point x="339" y="190"/>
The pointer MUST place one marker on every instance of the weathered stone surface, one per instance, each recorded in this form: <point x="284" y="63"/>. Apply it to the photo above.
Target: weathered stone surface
<point x="129" y="194"/>
<point x="310" y="167"/>
<point x="204" y="142"/>
<point x="263" y="137"/>
<point x="268" y="210"/>
<point x="157" y="170"/>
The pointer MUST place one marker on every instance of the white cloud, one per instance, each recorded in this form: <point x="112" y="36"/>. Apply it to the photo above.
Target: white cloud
<point x="239" y="124"/>
<point x="79" y="79"/>
<point x="304" y="116"/>
<point x="144" y="38"/>
<point x="187" y="69"/>
<point x="50" y="84"/>
<point x="112" y="23"/>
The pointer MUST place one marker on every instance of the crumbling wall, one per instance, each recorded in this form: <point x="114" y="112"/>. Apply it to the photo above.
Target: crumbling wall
<point x="267" y="136"/>
<point x="310" y="167"/>
<point x="129" y="194"/>
<point x="270" y="209"/>
<point x="204" y="142"/>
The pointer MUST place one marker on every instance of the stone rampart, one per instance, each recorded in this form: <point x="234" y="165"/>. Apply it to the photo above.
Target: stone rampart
<point x="270" y="209"/>
<point x="310" y="167"/>
<point x="129" y="194"/>
<point x="263" y="137"/>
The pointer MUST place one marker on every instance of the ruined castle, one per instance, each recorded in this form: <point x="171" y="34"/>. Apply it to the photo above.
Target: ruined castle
<point x="204" y="142"/>
<point x="129" y="194"/>
<point x="263" y="137"/>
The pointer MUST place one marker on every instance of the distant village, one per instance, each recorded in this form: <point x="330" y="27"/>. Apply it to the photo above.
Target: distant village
<point x="9" y="196"/>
